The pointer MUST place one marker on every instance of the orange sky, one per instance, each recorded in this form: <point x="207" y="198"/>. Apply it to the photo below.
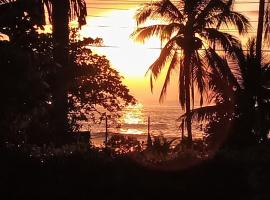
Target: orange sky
<point x="113" y="21"/>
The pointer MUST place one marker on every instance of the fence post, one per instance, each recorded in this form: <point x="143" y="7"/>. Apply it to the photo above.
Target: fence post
<point x="149" y="140"/>
<point x="183" y="129"/>
<point x="106" y="130"/>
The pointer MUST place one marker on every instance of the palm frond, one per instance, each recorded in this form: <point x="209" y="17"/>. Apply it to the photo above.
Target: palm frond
<point x="168" y="9"/>
<point x="239" y="56"/>
<point x="219" y="13"/>
<point x="206" y="112"/>
<point x="222" y="90"/>
<point x="48" y="7"/>
<point x="167" y="52"/>
<point x="222" y="67"/>
<point x="144" y="33"/>
<point x="251" y="46"/>
<point x="144" y="13"/>
<point x="170" y="30"/>
<point x="172" y="66"/>
<point x="209" y="9"/>
<point x="267" y="24"/>
<point x="221" y="80"/>
<point x="233" y="19"/>
<point x="223" y="40"/>
<point x="199" y="75"/>
<point x="77" y="9"/>
<point x="151" y="83"/>
<point x="181" y="86"/>
<point x="163" y="10"/>
<point x="266" y="79"/>
<point x="191" y="7"/>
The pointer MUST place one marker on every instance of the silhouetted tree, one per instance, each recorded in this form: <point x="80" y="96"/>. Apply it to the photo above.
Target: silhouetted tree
<point x="189" y="29"/>
<point x="96" y="88"/>
<point x="29" y="67"/>
<point x="25" y="98"/>
<point x="253" y="98"/>
<point x="263" y="27"/>
<point x="263" y="30"/>
<point x="59" y="14"/>
<point x="260" y="26"/>
<point x="235" y="91"/>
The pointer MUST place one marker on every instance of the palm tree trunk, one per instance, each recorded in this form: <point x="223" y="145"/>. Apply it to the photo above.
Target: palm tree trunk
<point x="260" y="30"/>
<point x="60" y="21"/>
<point x="187" y="91"/>
<point x="258" y="67"/>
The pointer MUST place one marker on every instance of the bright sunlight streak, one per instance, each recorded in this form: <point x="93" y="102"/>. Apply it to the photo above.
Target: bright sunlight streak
<point x="129" y="58"/>
<point x="132" y="119"/>
<point x="133" y="114"/>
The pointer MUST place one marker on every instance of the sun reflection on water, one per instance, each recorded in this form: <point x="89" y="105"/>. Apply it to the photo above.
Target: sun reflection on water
<point x="133" y="118"/>
<point x="131" y="131"/>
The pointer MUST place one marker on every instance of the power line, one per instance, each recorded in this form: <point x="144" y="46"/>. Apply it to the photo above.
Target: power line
<point x="134" y="27"/>
<point x="109" y="26"/>
<point x="158" y="48"/>
<point x="97" y="16"/>
<point x="107" y="8"/>
<point x="116" y="8"/>
<point x="136" y="2"/>
<point x="128" y="3"/>
<point x="103" y="16"/>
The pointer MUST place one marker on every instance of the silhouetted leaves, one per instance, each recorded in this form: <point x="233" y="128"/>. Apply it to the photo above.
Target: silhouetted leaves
<point x="96" y="87"/>
<point x="28" y="71"/>
<point x="190" y="29"/>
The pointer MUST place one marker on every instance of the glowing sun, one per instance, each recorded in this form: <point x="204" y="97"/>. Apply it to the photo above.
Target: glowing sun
<point x="128" y="57"/>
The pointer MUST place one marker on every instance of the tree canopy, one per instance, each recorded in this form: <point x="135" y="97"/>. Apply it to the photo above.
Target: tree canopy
<point x="28" y="69"/>
<point x="190" y="33"/>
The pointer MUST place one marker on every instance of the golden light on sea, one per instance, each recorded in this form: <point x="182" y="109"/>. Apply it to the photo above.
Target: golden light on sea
<point x="132" y="117"/>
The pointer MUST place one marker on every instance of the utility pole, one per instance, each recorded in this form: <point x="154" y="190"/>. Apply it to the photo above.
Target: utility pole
<point x="260" y="30"/>
<point x="182" y="130"/>
<point x="106" y="132"/>
<point x="149" y="140"/>
<point x="259" y="44"/>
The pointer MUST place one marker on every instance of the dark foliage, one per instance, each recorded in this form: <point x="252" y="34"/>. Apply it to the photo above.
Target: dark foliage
<point x="96" y="88"/>
<point x="120" y="144"/>
<point x="240" y="92"/>
<point x="28" y="73"/>
<point x="25" y="101"/>
<point x="228" y="175"/>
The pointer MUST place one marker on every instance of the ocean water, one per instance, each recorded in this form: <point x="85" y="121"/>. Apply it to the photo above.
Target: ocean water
<point x="134" y="122"/>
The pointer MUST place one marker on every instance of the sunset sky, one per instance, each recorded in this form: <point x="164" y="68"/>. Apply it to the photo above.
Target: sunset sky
<point x="113" y="20"/>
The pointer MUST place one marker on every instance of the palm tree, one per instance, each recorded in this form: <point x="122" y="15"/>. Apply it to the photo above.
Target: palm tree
<point x="260" y="28"/>
<point x="234" y="90"/>
<point x="263" y="29"/>
<point x="263" y="26"/>
<point x="59" y="14"/>
<point x="191" y="30"/>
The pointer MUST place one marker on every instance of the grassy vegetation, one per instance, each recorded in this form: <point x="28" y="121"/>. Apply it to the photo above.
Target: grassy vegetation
<point x="73" y="172"/>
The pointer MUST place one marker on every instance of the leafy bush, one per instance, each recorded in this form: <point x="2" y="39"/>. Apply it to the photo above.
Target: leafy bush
<point x="120" y="144"/>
